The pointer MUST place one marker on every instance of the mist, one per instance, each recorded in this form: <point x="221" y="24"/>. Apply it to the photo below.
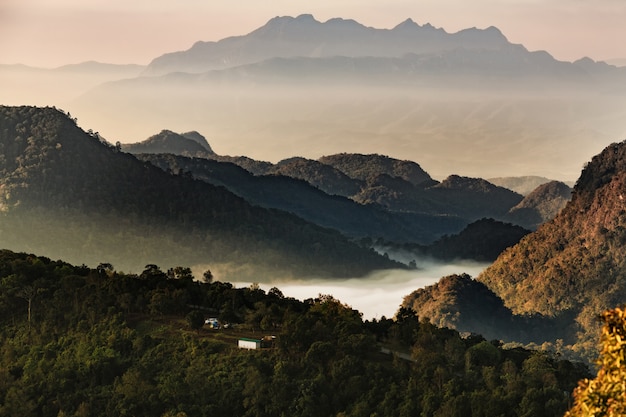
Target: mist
<point x="471" y="126"/>
<point x="476" y="133"/>
<point x="377" y="295"/>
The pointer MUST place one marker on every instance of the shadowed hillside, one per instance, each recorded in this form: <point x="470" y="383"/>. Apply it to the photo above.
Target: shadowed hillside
<point x="67" y="194"/>
<point x="541" y="205"/>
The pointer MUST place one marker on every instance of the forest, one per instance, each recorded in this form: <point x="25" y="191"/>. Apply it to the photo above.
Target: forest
<point x="78" y="341"/>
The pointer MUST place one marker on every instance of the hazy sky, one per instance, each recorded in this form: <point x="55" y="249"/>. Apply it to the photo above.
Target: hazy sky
<point x="51" y="33"/>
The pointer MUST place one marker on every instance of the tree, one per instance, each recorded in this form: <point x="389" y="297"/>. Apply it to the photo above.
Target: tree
<point x="606" y="394"/>
<point x="28" y="293"/>
<point x="180" y="272"/>
<point x="195" y="320"/>
<point x="207" y="276"/>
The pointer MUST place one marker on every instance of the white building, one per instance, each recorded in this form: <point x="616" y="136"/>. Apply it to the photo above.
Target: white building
<point x="245" y="343"/>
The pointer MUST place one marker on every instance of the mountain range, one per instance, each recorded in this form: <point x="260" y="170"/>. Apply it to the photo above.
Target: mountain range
<point x="303" y="36"/>
<point x="371" y="196"/>
<point x="66" y="193"/>
<point x="69" y="193"/>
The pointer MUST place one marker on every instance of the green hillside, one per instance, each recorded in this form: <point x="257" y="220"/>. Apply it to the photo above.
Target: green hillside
<point x="76" y="341"/>
<point x="559" y="279"/>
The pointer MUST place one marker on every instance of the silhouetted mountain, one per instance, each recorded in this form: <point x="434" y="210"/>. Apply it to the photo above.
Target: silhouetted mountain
<point x="521" y="185"/>
<point x="303" y="36"/>
<point x="310" y="203"/>
<point x="475" y="197"/>
<point x="368" y="167"/>
<point x="323" y="176"/>
<point x="543" y="204"/>
<point x="67" y="194"/>
<point x="483" y="241"/>
<point x="418" y="208"/>
<point x="188" y="144"/>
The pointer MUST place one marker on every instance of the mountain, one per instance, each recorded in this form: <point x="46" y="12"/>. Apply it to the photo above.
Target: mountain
<point x="386" y="198"/>
<point x="475" y="197"/>
<point x="541" y="205"/>
<point x="483" y="241"/>
<point x="66" y="193"/>
<point x="310" y="203"/>
<point x="303" y="36"/>
<point x="522" y="185"/>
<point x="468" y="305"/>
<point x="367" y="167"/>
<point x="575" y="261"/>
<point x="402" y="185"/>
<point x="321" y="175"/>
<point x="189" y="144"/>
<point x="573" y="267"/>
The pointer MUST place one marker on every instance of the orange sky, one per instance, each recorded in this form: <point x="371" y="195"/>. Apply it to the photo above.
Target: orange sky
<point x="51" y="33"/>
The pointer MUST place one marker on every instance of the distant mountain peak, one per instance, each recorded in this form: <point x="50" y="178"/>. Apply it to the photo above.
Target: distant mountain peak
<point x="306" y="17"/>
<point x="491" y="35"/>
<point x="407" y="24"/>
<point x="304" y="36"/>
<point x="189" y="143"/>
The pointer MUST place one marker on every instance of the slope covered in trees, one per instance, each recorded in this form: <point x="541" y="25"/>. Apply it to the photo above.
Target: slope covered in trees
<point x="78" y="341"/>
<point x="576" y="263"/>
<point x="68" y="194"/>
<point x="540" y="205"/>
<point x="573" y="267"/>
<point x="310" y="203"/>
<point x="606" y="394"/>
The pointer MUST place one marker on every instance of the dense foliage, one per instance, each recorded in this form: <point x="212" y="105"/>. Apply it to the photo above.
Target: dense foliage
<point x="574" y="265"/>
<point x="468" y="305"/>
<point x="76" y="341"/>
<point x="606" y="394"/>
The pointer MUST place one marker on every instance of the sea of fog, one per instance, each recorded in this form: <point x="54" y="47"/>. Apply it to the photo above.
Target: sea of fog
<point x="377" y="295"/>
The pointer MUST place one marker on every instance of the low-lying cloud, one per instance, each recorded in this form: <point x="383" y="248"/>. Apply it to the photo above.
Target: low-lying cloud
<point x="377" y="295"/>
